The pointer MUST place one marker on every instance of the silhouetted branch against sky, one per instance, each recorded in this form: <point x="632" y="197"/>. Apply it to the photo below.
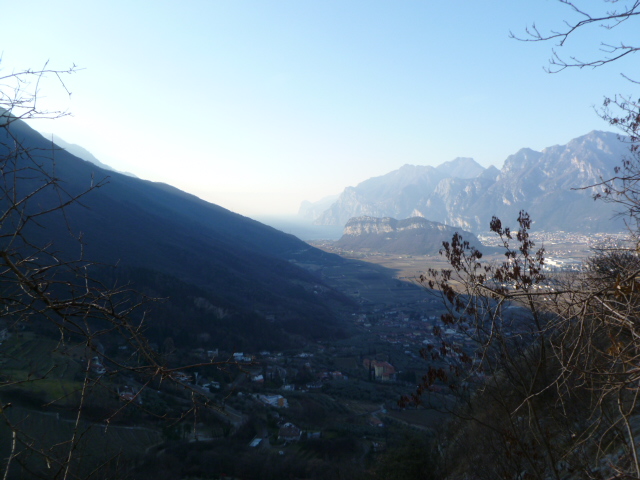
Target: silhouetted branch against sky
<point x="605" y="17"/>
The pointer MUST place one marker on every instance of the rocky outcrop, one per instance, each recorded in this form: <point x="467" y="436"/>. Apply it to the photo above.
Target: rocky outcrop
<point x="411" y="236"/>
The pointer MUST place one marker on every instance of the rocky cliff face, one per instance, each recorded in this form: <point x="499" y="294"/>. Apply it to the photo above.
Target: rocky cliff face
<point x="395" y="194"/>
<point x="411" y="236"/>
<point x="369" y="225"/>
<point x="548" y="184"/>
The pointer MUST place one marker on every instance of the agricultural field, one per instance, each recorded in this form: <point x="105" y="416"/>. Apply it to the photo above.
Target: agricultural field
<point x="38" y="365"/>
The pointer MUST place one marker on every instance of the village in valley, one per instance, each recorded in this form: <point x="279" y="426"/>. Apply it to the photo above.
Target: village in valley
<point x="317" y="396"/>
<point x="349" y="387"/>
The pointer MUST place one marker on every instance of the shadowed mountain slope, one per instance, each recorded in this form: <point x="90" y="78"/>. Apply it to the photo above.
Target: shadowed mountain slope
<point x="240" y="265"/>
<point x="82" y="153"/>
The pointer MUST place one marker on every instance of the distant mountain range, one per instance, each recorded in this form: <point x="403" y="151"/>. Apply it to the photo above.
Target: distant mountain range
<point x="312" y="210"/>
<point x="461" y="193"/>
<point x="411" y="236"/>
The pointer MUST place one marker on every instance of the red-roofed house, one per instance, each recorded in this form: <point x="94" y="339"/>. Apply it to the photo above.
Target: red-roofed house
<point x="383" y="371"/>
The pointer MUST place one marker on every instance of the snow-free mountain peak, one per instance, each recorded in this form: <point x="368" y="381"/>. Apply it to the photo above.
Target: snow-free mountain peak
<point x="549" y="184"/>
<point x="461" y="167"/>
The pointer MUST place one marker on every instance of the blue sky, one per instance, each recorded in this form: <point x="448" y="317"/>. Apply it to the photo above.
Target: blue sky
<point x="258" y="105"/>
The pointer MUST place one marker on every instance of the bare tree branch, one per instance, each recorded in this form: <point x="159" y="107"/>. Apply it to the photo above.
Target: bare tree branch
<point x="608" y="20"/>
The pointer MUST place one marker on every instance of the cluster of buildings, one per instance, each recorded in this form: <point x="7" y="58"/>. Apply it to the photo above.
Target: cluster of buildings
<point x="381" y="371"/>
<point x="565" y="251"/>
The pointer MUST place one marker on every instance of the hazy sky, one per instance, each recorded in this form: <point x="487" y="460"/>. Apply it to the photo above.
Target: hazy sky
<point x="258" y="105"/>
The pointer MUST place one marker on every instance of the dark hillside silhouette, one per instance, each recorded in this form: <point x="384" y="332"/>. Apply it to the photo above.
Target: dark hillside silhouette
<point x="243" y="266"/>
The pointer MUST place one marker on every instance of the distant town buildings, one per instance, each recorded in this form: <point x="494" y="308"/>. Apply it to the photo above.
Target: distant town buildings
<point x="277" y="401"/>
<point x="382" y="371"/>
<point x="289" y="433"/>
